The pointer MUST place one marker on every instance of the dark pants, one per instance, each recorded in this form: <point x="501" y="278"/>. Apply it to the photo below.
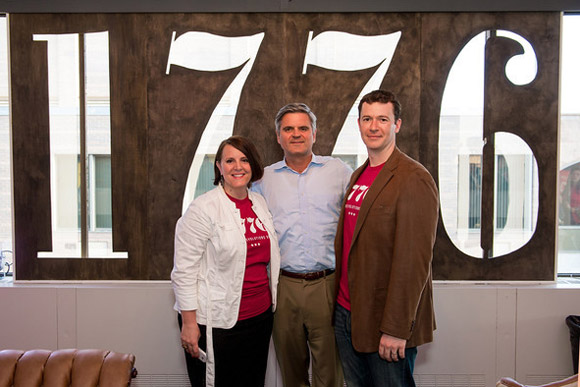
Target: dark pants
<point x="241" y="353"/>
<point x="369" y="369"/>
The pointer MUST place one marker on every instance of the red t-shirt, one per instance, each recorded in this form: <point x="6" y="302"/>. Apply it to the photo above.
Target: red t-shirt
<point x="351" y="210"/>
<point x="256" y="297"/>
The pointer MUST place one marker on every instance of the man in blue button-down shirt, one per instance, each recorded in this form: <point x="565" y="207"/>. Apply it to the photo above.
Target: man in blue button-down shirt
<point x="304" y="193"/>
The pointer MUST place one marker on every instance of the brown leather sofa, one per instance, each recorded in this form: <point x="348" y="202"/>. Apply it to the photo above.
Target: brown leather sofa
<point x="66" y="367"/>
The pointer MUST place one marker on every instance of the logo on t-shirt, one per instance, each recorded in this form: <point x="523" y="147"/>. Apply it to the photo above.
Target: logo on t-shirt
<point x="354" y="199"/>
<point x="255" y="231"/>
<point x="252" y="224"/>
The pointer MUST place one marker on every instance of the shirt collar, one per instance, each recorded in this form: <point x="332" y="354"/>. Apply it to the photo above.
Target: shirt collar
<point x="316" y="160"/>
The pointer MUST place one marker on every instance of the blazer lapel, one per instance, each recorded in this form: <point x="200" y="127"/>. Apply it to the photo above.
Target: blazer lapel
<point x="382" y="179"/>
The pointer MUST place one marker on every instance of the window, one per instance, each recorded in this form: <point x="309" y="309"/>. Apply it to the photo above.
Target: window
<point x="461" y="154"/>
<point x="206" y="175"/>
<point x="100" y="217"/>
<point x="78" y="74"/>
<point x="569" y="228"/>
<point x="5" y="192"/>
<point x="79" y="106"/>
<point x="474" y="209"/>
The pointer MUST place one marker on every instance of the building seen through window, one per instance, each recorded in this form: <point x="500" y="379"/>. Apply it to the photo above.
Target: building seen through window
<point x="568" y="231"/>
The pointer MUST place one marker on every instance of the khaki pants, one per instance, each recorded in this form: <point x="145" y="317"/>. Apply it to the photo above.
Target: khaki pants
<point x="303" y="327"/>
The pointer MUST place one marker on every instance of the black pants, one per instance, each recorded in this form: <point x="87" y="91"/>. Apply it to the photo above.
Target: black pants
<point x="241" y="353"/>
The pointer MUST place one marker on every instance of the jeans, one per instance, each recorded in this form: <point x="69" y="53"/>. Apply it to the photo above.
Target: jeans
<point x="369" y="369"/>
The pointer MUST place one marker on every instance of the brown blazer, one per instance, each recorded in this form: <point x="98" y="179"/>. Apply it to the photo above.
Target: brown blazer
<point x="389" y="266"/>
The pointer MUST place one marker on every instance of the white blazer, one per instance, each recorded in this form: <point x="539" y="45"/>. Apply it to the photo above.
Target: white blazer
<point x="210" y="261"/>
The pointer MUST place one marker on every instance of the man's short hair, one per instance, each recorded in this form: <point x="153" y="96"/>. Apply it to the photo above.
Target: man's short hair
<point x="382" y="96"/>
<point x="248" y="149"/>
<point x="295" y="108"/>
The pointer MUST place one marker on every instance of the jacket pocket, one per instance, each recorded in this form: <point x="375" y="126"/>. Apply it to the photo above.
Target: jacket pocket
<point x="226" y="243"/>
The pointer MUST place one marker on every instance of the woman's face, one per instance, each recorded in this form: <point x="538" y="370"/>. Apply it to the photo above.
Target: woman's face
<point x="236" y="170"/>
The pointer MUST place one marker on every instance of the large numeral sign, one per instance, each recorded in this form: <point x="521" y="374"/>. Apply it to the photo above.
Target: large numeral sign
<point x="333" y="50"/>
<point x="341" y="51"/>
<point x="208" y="52"/>
<point x="75" y="197"/>
<point x="175" y="96"/>
<point x="515" y="180"/>
<point x="496" y="167"/>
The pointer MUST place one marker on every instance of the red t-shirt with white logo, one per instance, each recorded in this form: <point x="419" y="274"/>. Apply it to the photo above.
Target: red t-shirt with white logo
<point x="351" y="210"/>
<point x="256" y="297"/>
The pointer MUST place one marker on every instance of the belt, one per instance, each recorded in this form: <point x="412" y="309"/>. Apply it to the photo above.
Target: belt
<point x="307" y="276"/>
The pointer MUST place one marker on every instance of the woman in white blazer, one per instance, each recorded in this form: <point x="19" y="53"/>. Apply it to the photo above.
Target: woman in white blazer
<point x="225" y="274"/>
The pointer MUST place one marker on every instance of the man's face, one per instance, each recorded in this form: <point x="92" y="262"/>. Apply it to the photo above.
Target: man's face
<point x="378" y="126"/>
<point x="296" y="136"/>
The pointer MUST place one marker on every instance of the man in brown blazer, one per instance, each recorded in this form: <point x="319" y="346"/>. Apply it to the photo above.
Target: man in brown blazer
<point x="384" y="249"/>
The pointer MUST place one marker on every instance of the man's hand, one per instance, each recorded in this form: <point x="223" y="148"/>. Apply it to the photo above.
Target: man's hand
<point x="392" y="348"/>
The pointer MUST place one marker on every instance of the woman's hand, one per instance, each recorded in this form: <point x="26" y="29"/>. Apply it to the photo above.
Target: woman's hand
<point x="190" y="333"/>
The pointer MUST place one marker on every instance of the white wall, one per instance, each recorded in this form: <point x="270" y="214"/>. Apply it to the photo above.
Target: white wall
<point x="484" y="331"/>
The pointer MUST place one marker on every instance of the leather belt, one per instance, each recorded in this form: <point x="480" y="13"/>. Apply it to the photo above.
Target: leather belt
<point x="307" y="276"/>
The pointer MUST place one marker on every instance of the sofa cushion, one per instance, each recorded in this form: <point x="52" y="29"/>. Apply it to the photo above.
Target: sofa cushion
<point x="66" y="367"/>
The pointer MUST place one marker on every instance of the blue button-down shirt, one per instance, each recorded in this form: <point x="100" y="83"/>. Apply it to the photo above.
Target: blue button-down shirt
<point x="305" y="207"/>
